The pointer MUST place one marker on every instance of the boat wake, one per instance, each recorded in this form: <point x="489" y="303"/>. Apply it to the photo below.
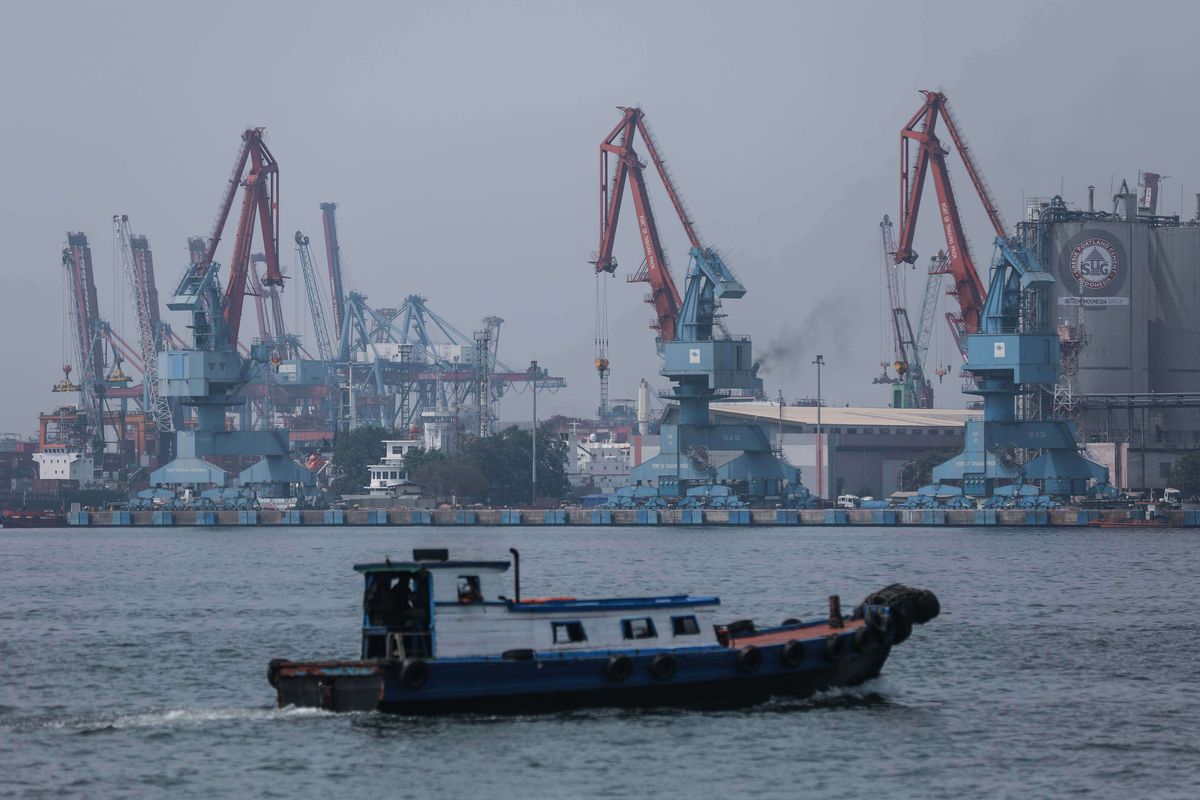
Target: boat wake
<point x="165" y="719"/>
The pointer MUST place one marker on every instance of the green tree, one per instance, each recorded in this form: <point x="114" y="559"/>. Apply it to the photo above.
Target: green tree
<point x="417" y="457"/>
<point x="353" y="453"/>
<point x="454" y="477"/>
<point x="919" y="471"/>
<point x="505" y="460"/>
<point x="1185" y="475"/>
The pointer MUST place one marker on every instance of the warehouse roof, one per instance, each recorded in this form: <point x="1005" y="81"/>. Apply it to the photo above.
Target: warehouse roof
<point x="847" y="416"/>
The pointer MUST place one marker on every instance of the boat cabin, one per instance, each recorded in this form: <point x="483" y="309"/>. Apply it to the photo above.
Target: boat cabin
<point x="434" y="606"/>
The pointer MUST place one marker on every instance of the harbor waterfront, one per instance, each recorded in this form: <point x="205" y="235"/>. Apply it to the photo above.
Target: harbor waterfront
<point x="135" y="661"/>
<point x="783" y="517"/>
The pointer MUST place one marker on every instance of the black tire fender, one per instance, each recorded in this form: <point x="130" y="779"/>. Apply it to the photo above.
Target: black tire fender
<point x="749" y="659"/>
<point x="929" y="605"/>
<point x="861" y="638"/>
<point x="414" y="673"/>
<point x="901" y="627"/>
<point x="273" y="671"/>
<point x="662" y="667"/>
<point x="618" y="668"/>
<point x="834" y="646"/>
<point x="792" y="654"/>
<point x="789" y="622"/>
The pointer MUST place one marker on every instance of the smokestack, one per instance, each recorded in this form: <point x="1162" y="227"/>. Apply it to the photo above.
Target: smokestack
<point x="1198" y="206"/>
<point x="643" y="406"/>
<point x="1091" y="198"/>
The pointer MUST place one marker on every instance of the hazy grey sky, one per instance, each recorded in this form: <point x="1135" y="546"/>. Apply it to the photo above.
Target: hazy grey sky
<point x="460" y="141"/>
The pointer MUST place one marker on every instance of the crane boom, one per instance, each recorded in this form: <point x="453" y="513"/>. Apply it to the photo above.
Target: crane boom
<point x="139" y="277"/>
<point x="628" y="168"/>
<point x="260" y="199"/>
<point x="967" y="289"/>
<point x="308" y="270"/>
<point x="909" y="359"/>
<point x="333" y="257"/>
<point x="85" y="318"/>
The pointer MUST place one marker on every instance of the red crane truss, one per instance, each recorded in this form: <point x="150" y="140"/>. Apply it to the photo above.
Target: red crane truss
<point x="260" y="198"/>
<point x="968" y="288"/>
<point x="618" y="147"/>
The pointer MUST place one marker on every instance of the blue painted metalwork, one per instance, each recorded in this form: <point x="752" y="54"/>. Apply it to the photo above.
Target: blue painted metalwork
<point x="1015" y="355"/>
<point x="702" y="363"/>
<point x="207" y="377"/>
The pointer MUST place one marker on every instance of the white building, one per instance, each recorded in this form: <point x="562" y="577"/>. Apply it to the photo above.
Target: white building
<point x="388" y="478"/>
<point x="60" y="465"/>
<point x="600" y="463"/>
<point x="440" y="426"/>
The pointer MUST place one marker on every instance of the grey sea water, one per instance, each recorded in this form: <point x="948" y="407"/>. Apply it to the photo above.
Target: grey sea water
<point x="1064" y="663"/>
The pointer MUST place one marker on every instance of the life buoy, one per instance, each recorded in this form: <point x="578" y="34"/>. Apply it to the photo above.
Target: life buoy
<point x="792" y="654"/>
<point x="749" y="658"/>
<point x="834" y="645"/>
<point x="662" y="667"/>
<point x="618" y="668"/>
<point x="414" y="673"/>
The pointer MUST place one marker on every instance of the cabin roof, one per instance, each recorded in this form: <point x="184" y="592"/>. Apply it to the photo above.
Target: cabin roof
<point x="413" y="566"/>
<point x="614" y="603"/>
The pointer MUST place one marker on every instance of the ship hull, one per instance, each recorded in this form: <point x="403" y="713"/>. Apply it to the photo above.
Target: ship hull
<point x="709" y="677"/>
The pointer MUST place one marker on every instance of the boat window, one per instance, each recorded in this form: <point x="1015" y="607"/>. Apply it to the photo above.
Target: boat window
<point x="468" y="589"/>
<point x="568" y="632"/>
<point x="685" y="626"/>
<point x="639" y="628"/>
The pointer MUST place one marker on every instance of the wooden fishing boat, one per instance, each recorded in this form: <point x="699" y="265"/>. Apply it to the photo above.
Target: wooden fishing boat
<point x="439" y="636"/>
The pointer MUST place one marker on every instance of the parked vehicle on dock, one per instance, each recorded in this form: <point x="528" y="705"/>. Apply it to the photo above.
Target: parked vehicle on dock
<point x="438" y="635"/>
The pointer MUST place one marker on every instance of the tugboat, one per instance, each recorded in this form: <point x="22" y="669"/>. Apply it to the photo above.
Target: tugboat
<point x="437" y="637"/>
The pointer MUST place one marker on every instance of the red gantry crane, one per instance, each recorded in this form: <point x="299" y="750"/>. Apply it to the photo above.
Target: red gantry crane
<point x="260" y="198"/>
<point x="619" y="165"/>
<point x="968" y="289"/>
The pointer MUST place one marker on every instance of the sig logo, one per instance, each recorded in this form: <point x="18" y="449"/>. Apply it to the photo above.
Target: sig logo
<point x="694" y="355"/>
<point x="1094" y="263"/>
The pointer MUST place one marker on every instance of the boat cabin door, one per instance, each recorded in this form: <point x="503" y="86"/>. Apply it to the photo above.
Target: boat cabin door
<point x="401" y="604"/>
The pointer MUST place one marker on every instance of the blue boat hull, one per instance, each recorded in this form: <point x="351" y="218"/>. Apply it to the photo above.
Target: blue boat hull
<point x="708" y="677"/>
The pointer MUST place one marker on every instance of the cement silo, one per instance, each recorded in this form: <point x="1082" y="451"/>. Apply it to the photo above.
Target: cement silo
<point x="1129" y="279"/>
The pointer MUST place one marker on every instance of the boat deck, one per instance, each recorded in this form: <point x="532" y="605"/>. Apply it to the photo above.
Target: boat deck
<point x="807" y="632"/>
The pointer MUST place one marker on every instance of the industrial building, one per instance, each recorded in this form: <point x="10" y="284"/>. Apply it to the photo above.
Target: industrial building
<point x="1128" y="280"/>
<point x="860" y="450"/>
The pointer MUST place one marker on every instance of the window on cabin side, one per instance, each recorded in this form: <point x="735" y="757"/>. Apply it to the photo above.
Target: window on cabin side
<point x="469" y="590"/>
<point x="568" y="632"/>
<point x="639" y="628"/>
<point x="685" y="626"/>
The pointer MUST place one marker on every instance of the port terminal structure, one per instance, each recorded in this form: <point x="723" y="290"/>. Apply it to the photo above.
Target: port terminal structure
<point x="1015" y="352"/>
<point x="700" y="357"/>
<point x="209" y="374"/>
<point x="1005" y="333"/>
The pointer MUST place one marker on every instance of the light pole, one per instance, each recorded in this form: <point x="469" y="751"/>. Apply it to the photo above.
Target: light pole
<point x="533" y="376"/>
<point x="820" y="362"/>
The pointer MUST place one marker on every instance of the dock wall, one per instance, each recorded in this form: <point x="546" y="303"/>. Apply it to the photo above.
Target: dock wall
<point x="1060" y="517"/>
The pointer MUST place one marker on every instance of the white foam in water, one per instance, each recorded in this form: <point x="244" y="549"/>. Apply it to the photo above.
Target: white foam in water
<point x="183" y="717"/>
